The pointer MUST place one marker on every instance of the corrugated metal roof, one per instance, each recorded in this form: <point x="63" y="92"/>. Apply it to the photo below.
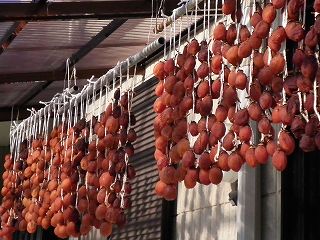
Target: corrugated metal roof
<point x="127" y="40"/>
<point x="57" y="34"/>
<point x="44" y="46"/>
<point x="140" y="29"/>
<point x="106" y="57"/>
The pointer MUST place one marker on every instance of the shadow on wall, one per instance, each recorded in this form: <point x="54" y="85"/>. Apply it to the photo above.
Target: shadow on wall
<point x="205" y="212"/>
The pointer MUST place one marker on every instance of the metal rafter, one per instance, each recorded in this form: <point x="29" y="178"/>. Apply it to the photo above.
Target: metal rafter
<point x="84" y="9"/>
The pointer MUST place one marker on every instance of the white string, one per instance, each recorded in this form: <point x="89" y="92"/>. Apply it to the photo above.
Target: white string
<point x="174" y="33"/>
<point x="170" y="44"/>
<point x="180" y="30"/>
<point x="120" y="79"/>
<point x="74" y="74"/>
<point x="285" y="73"/>
<point x="315" y="102"/>
<point x="81" y="104"/>
<point x="209" y="30"/>
<point x="238" y="25"/>
<point x="100" y="99"/>
<point x="165" y="37"/>
<point x="92" y="105"/>
<point x="189" y="25"/>
<point x="300" y="106"/>
<point x="66" y="76"/>
<point x="252" y="55"/>
<point x="113" y="86"/>
<point x="222" y="83"/>
<point x="62" y="138"/>
<point x="204" y="21"/>
<point x="195" y="19"/>
<point x="216" y="13"/>
<point x="128" y="72"/>
<point x="303" y="20"/>
<point x="106" y="95"/>
<point x="218" y="151"/>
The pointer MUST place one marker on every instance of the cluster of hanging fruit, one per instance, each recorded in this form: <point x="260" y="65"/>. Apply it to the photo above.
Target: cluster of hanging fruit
<point x="72" y="178"/>
<point x="228" y="85"/>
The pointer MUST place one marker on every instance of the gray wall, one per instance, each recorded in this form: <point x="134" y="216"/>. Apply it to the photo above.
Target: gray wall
<point x="205" y="212"/>
<point x="270" y="203"/>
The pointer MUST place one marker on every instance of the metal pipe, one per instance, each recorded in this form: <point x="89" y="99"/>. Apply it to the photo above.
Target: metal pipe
<point x="103" y="80"/>
<point x="177" y="13"/>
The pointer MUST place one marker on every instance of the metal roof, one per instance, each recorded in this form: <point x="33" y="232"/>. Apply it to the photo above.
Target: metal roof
<point x="57" y="34"/>
<point x="45" y="46"/>
<point x="39" y="51"/>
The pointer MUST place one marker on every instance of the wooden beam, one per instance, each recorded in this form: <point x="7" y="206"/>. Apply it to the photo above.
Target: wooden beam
<point x="48" y="76"/>
<point x="83" y="9"/>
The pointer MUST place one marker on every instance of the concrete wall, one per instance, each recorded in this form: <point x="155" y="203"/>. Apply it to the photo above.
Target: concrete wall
<point x="270" y="203"/>
<point x="205" y="212"/>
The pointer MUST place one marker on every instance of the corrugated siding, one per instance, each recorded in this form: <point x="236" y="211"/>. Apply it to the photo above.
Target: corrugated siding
<point x="144" y="218"/>
<point x="205" y="213"/>
<point x="57" y="34"/>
